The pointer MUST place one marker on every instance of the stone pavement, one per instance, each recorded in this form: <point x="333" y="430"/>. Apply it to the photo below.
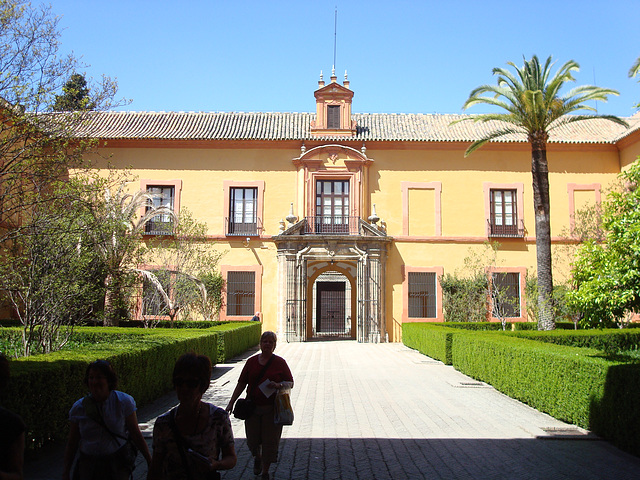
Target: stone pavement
<point x="384" y="411"/>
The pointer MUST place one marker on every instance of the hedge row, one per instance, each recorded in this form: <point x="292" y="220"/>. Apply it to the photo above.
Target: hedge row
<point x="581" y="386"/>
<point x="610" y="341"/>
<point x="42" y="388"/>
<point x="517" y="326"/>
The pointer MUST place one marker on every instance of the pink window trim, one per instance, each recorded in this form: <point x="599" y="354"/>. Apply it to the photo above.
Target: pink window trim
<point x="227" y="185"/>
<point x="437" y="188"/>
<point x="439" y="271"/>
<point x="575" y="187"/>
<point x="257" y="269"/>
<point x="518" y="187"/>
<point x="523" y="299"/>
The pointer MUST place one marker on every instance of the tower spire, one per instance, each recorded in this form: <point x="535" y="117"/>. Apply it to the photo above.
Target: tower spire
<point x="335" y="38"/>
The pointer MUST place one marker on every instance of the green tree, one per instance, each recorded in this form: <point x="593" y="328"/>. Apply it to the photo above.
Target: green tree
<point x="119" y="242"/>
<point x="534" y="106"/>
<point x="469" y="295"/>
<point x="633" y="72"/>
<point x="635" y="68"/>
<point x="36" y="147"/>
<point x="51" y="276"/>
<point x="184" y="280"/>
<point x="75" y="96"/>
<point x="606" y="275"/>
<point x="465" y="297"/>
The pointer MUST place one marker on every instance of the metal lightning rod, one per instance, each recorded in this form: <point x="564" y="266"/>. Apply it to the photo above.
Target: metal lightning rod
<point x="335" y="37"/>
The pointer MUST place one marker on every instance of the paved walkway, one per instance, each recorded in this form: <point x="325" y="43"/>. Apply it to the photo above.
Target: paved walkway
<point x="383" y="411"/>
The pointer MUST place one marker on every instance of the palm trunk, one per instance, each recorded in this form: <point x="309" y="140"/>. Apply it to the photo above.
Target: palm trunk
<point x="540" y="172"/>
<point x="112" y="301"/>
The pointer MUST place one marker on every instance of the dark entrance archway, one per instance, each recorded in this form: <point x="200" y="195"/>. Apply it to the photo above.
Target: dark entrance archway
<point x="332" y="307"/>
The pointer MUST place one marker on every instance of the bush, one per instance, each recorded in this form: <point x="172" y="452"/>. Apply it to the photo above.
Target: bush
<point x="464" y="299"/>
<point x="434" y="342"/>
<point x="611" y="341"/>
<point x="582" y="386"/>
<point x="42" y="388"/>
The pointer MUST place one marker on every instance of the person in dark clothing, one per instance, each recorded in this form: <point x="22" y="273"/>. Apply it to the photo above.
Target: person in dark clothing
<point x="263" y="435"/>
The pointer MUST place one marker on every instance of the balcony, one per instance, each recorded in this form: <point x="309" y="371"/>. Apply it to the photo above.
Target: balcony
<point x="158" y="227"/>
<point x="242" y="229"/>
<point x="332" y="225"/>
<point x="505" y="231"/>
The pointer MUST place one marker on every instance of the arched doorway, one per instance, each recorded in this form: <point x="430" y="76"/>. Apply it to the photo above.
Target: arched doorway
<point x="331" y="312"/>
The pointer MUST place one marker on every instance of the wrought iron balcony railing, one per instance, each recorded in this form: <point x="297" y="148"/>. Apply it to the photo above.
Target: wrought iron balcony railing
<point x="506" y="231"/>
<point x="332" y="225"/>
<point x="158" y="227"/>
<point x="242" y="229"/>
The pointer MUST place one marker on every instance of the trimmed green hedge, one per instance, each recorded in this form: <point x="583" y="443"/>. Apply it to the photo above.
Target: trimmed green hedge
<point x="498" y="326"/>
<point x="434" y="342"/>
<point x="610" y="341"/>
<point x="42" y="388"/>
<point x="583" y="386"/>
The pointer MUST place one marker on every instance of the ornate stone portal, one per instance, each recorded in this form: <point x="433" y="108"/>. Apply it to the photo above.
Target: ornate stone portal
<point x="359" y="259"/>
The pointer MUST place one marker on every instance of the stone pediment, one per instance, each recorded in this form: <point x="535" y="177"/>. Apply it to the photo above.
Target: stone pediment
<point x="334" y="89"/>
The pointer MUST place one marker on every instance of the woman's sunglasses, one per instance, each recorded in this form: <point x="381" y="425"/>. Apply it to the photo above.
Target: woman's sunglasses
<point x="189" y="382"/>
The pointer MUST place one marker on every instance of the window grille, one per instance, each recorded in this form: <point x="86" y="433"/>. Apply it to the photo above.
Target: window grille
<point x="422" y="294"/>
<point x="241" y="293"/>
<point x="506" y="294"/>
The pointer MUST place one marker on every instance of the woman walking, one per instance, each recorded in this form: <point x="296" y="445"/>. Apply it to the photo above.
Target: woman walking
<point x="194" y="440"/>
<point x="102" y="425"/>
<point x="262" y="373"/>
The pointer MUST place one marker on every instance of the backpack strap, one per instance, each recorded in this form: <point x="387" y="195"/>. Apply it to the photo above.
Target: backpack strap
<point x="179" y="442"/>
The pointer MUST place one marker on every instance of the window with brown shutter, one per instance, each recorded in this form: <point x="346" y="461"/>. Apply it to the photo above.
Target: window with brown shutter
<point x="333" y="116"/>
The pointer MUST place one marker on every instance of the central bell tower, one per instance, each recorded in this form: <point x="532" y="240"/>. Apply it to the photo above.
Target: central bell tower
<point x="333" y="109"/>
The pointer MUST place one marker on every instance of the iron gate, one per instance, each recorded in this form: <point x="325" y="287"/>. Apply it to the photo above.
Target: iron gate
<point x="296" y="304"/>
<point x="369" y="292"/>
<point x="332" y="306"/>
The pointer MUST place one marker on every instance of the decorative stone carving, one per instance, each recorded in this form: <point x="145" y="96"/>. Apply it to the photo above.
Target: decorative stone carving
<point x="291" y="218"/>
<point x="374" y="218"/>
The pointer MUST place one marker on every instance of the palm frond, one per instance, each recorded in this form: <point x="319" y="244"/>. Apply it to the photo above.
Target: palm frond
<point x="531" y="97"/>
<point x="568" y="119"/>
<point x="635" y="68"/>
<point x="138" y="224"/>
<point x="496" y="102"/>
<point x="490" y="136"/>
<point x="151" y="277"/>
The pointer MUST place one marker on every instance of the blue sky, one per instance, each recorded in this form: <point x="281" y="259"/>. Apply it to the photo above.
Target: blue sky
<point x="401" y="56"/>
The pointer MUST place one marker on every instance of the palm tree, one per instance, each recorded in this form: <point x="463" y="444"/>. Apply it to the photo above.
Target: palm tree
<point x="531" y="98"/>
<point x="634" y="71"/>
<point x="635" y="68"/>
<point x="119" y="241"/>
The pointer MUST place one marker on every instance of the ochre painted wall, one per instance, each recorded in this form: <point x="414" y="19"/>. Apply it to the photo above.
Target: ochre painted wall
<point x="575" y="175"/>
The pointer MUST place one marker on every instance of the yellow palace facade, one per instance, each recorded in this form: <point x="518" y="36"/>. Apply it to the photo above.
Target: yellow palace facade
<point x="337" y="224"/>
